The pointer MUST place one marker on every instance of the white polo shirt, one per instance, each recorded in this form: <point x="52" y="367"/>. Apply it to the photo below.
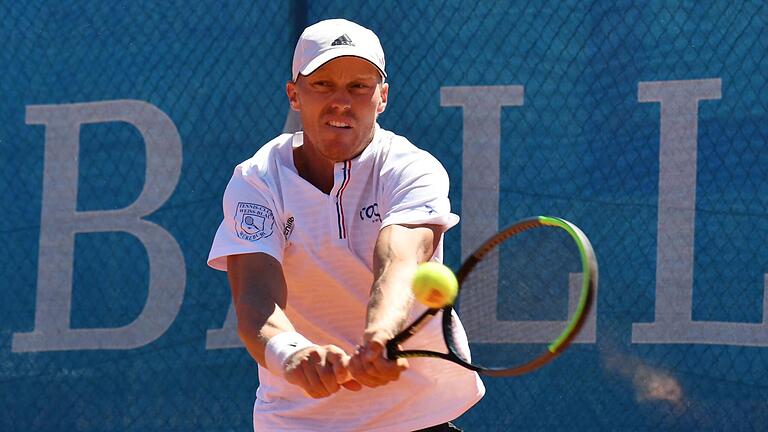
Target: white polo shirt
<point x="325" y="244"/>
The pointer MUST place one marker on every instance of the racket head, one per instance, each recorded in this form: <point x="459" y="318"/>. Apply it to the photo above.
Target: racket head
<point x="539" y="273"/>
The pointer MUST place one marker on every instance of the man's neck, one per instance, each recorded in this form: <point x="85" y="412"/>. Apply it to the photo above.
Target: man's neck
<point x="314" y="168"/>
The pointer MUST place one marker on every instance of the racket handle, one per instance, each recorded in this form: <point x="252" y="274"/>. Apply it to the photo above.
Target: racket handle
<point x="391" y="351"/>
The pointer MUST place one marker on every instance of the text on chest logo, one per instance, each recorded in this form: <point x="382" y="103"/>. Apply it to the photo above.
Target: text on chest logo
<point x="371" y="213"/>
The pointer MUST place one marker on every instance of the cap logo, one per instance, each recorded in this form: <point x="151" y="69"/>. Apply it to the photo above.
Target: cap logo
<point x="343" y="40"/>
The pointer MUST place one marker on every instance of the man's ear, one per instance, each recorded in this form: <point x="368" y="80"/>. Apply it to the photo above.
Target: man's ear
<point x="293" y="96"/>
<point x="384" y="95"/>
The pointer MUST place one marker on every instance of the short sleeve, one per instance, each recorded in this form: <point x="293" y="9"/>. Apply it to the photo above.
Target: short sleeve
<point x="416" y="192"/>
<point x="251" y="222"/>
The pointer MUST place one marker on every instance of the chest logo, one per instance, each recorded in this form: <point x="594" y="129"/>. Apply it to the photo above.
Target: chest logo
<point x="370" y="213"/>
<point x="253" y="221"/>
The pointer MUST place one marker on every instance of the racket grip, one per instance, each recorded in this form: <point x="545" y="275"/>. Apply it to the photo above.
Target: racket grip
<point x="391" y="351"/>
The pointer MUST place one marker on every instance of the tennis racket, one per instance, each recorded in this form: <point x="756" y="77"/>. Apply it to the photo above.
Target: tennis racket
<point x="536" y="279"/>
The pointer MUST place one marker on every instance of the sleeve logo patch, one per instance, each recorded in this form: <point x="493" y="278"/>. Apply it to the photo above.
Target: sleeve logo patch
<point x="253" y="222"/>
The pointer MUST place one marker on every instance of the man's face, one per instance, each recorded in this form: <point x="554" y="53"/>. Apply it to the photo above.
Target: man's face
<point x="338" y="104"/>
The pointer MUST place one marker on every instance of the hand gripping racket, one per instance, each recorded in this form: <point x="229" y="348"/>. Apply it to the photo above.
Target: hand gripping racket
<point x="537" y="278"/>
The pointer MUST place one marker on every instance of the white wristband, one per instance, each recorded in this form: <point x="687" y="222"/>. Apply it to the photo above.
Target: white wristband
<point x="282" y="346"/>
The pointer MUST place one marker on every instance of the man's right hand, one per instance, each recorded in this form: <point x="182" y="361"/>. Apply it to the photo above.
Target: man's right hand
<point x="320" y="371"/>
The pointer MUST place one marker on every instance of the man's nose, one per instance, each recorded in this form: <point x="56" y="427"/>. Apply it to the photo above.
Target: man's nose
<point x="341" y="99"/>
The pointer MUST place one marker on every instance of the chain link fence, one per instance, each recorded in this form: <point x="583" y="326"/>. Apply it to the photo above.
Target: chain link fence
<point x="681" y="339"/>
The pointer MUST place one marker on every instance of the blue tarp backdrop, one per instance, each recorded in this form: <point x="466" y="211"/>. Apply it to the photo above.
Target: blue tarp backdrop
<point x="645" y="123"/>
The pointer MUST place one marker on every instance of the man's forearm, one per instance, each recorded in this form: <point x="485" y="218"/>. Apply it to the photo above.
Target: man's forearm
<point x="259" y="294"/>
<point x="391" y="298"/>
<point x="256" y="327"/>
<point x="399" y="250"/>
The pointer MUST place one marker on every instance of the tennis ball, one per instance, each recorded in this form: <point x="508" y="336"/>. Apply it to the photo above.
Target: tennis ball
<point x="434" y="285"/>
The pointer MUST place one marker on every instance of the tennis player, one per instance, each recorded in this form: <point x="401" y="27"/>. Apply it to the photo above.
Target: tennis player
<point x="322" y="232"/>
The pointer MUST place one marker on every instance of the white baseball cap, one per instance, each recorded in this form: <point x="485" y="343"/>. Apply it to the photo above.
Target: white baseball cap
<point x="329" y="39"/>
